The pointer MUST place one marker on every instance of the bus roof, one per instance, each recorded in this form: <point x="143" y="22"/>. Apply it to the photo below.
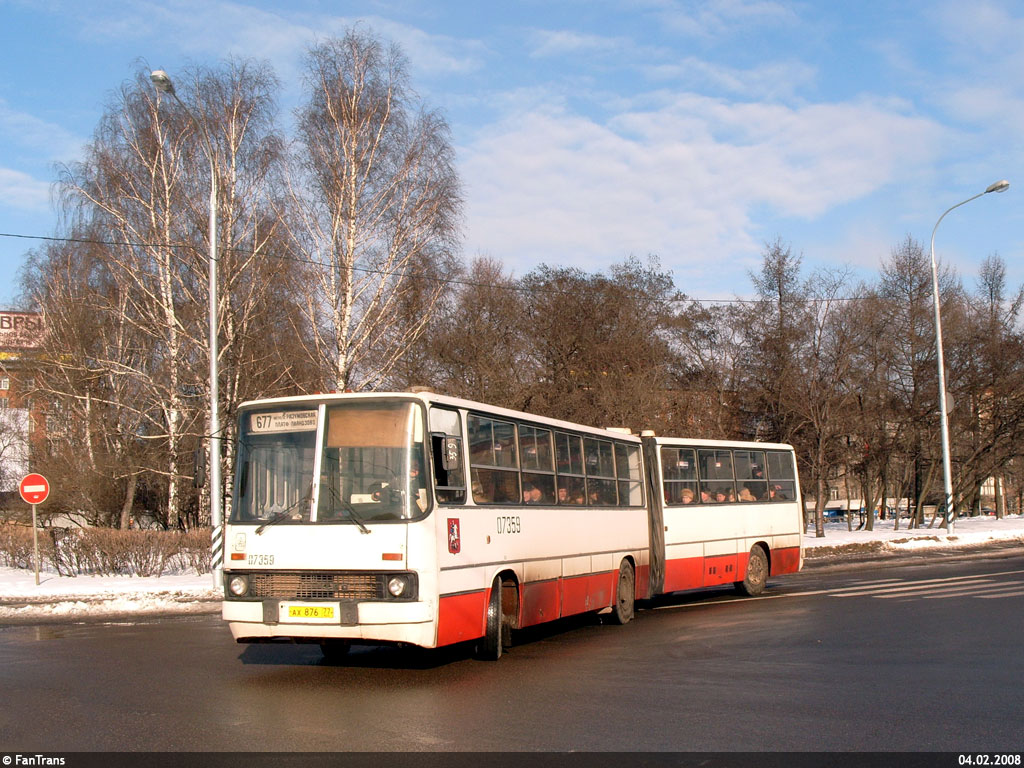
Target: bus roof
<point x="428" y="398"/>
<point x="704" y="443"/>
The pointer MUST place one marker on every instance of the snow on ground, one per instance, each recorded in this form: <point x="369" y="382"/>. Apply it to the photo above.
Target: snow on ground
<point x="106" y="597"/>
<point x="967" y="532"/>
<point x="99" y="597"/>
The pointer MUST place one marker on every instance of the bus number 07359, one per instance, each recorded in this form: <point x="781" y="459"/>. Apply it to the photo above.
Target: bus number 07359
<point x="509" y="525"/>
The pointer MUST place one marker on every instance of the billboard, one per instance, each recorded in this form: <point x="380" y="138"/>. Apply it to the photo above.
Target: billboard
<point x="21" y="330"/>
<point x="13" y="447"/>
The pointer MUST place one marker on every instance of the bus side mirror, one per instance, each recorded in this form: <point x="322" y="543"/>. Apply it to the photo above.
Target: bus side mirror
<point x="451" y="454"/>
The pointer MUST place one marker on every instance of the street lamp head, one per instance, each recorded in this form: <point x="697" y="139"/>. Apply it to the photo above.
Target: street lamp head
<point x="999" y="186"/>
<point x="162" y="81"/>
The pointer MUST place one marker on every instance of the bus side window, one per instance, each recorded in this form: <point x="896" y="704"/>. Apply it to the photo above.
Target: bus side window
<point x="493" y="460"/>
<point x="716" y="479"/>
<point x="537" y="463"/>
<point x="627" y="469"/>
<point x="602" y="490"/>
<point x="447" y="456"/>
<point x="570" y="487"/>
<point x="751" y="479"/>
<point x="781" y="476"/>
<point x="679" y="473"/>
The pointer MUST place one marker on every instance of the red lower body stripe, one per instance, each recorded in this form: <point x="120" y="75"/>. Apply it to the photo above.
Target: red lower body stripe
<point x="698" y="572"/>
<point x="464" y="617"/>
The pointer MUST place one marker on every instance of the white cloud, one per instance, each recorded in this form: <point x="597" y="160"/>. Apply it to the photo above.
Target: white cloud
<point x="983" y="31"/>
<point x="559" y="43"/>
<point x="994" y="105"/>
<point x="428" y="53"/>
<point x="985" y="44"/>
<point x="36" y="135"/>
<point x="211" y="28"/>
<point x="21" y="191"/>
<point x="691" y="181"/>
<point x="198" y="27"/>
<point x="719" y="17"/>
<point x="768" y="81"/>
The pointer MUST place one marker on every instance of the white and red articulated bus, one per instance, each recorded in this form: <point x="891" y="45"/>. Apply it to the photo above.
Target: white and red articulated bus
<point x="420" y="519"/>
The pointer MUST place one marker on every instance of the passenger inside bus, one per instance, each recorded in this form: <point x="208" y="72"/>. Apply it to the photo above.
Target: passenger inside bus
<point x="570" y="491"/>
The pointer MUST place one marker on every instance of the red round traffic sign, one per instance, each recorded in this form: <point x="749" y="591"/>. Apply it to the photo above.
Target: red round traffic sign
<point x="34" y="489"/>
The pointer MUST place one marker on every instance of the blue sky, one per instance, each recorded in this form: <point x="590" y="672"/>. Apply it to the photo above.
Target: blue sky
<point x="590" y="130"/>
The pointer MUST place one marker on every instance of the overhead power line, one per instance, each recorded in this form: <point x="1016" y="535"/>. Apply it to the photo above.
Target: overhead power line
<point x="386" y="273"/>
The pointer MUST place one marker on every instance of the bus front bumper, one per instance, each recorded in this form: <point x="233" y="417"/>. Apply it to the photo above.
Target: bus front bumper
<point x="256" y="620"/>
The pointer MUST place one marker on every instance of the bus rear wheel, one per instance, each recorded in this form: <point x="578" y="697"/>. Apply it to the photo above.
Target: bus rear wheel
<point x="625" y="594"/>
<point x="757" y="573"/>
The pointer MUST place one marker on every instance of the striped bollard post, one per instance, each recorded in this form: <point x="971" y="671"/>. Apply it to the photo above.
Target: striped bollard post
<point x="217" y="555"/>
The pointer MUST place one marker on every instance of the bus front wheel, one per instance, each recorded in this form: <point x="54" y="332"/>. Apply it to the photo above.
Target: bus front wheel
<point x="757" y="573"/>
<point x="497" y="633"/>
<point x="625" y="594"/>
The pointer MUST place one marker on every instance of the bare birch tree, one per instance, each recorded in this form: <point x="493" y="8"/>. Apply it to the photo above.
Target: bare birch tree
<point x="236" y="108"/>
<point x="140" y="192"/>
<point x="374" y="198"/>
<point x="128" y="189"/>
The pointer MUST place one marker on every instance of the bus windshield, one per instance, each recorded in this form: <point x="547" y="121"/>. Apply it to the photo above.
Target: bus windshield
<point x="371" y="465"/>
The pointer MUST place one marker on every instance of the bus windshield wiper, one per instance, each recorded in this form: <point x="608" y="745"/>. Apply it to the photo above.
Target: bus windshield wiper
<point x="283" y="514"/>
<point x="348" y="508"/>
<point x="275" y="518"/>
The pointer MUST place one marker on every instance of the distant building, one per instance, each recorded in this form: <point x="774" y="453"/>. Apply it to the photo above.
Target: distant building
<point x="21" y="419"/>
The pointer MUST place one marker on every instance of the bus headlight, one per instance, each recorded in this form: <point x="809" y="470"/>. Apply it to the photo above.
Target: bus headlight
<point x="397" y="586"/>
<point x="238" y="585"/>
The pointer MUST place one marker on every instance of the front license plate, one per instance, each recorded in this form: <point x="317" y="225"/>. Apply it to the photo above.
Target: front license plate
<point x="314" y="613"/>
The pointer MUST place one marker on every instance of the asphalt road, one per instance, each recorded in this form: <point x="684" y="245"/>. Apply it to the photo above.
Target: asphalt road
<point x="926" y="656"/>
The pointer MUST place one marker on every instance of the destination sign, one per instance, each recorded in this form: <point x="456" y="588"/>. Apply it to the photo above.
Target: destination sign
<point x="283" y="421"/>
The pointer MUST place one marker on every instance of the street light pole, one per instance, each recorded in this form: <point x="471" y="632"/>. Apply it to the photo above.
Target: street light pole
<point x="947" y="471"/>
<point x="162" y="82"/>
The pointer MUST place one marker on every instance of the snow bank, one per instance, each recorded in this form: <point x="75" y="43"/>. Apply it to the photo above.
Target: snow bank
<point x="967" y="532"/>
<point x="86" y="597"/>
<point x="60" y="597"/>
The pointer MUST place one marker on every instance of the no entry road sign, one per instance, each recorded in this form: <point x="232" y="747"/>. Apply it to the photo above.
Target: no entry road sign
<point x="34" y="489"/>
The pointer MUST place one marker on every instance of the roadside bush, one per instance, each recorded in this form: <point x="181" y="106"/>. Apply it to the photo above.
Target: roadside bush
<point x="132" y="553"/>
<point x="69" y="555"/>
<point x="15" y="545"/>
<point x="194" y="551"/>
<point x="107" y="551"/>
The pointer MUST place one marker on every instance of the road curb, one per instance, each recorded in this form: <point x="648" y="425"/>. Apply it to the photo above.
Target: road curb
<point x="854" y="555"/>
